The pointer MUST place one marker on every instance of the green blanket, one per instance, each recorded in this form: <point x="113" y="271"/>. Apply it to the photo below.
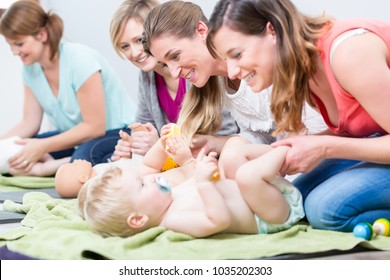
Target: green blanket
<point x="19" y="183"/>
<point x="52" y="229"/>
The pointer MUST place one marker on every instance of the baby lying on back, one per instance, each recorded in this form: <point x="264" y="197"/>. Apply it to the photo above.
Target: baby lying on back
<point x="186" y="199"/>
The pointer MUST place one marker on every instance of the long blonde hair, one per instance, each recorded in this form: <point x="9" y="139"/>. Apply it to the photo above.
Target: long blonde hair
<point x="129" y="9"/>
<point x="296" y="51"/>
<point x="27" y="18"/>
<point x="201" y="110"/>
<point x="102" y="203"/>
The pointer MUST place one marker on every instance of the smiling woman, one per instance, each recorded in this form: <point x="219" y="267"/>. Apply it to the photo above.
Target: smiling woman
<point x="175" y="34"/>
<point x="159" y="94"/>
<point x="72" y="83"/>
<point x="342" y="68"/>
<point x="257" y="75"/>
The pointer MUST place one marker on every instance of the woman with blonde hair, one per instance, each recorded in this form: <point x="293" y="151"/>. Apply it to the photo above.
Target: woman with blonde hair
<point x="160" y="95"/>
<point x="176" y="33"/>
<point x="72" y="83"/>
<point x="342" y="68"/>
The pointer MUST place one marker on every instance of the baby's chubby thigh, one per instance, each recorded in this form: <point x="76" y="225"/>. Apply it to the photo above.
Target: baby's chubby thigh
<point x="295" y="201"/>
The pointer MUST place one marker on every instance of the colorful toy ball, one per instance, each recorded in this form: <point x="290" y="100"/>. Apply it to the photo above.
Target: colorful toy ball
<point x="382" y="227"/>
<point x="363" y="230"/>
<point x="216" y="176"/>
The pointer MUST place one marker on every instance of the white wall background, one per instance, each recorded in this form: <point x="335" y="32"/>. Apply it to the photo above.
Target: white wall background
<point x="87" y="21"/>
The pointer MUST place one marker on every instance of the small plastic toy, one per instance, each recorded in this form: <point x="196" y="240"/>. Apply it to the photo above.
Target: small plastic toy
<point x="170" y="163"/>
<point x="363" y="230"/>
<point x="162" y="183"/>
<point x="382" y="227"/>
<point x="368" y="231"/>
<point x="174" y="131"/>
<point x="216" y="176"/>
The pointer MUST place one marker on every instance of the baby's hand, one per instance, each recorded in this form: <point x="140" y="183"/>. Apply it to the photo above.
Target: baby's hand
<point x="178" y="150"/>
<point x="168" y="131"/>
<point x="164" y="135"/>
<point x="206" y="166"/>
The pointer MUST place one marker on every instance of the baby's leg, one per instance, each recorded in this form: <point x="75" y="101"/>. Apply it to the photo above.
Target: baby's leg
<point x="237" y="151"/>
<point x="254" y="179"/>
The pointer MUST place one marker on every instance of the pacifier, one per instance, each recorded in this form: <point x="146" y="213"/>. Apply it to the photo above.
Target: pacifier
<point x="162" y="183"/>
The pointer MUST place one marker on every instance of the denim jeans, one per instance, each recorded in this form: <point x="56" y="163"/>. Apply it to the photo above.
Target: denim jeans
<point x="339" y="193"/>
<point x="97" y="150"/>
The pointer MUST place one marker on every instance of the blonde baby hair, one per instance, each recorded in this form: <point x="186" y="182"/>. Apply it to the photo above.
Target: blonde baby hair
<point x="102" y="203"/>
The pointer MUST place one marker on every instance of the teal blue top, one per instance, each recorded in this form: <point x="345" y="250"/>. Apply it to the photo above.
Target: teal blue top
<point x="77" y="64"/>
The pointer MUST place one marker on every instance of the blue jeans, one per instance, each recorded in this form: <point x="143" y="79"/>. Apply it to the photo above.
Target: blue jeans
<point x="97" y="150"/>
<point x="339" y="193"/>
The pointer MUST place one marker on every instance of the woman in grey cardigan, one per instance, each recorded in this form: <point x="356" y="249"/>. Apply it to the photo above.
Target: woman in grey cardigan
<point x="160" y="96"/>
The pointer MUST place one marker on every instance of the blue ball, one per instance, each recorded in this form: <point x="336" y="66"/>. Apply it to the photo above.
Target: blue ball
<point x="363" y="230"/>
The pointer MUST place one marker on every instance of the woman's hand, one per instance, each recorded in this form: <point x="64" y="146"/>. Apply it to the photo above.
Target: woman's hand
<point x="143" y="139"/>
<point x="32" y="152"/>
<point x="199" y="142"/>
<point x="211" y="143"/>
<point x="123" y="147"/>
<point x="306" y="153"/>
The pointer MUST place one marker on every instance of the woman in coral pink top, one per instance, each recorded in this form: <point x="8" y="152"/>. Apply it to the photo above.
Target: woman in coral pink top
<point x="342" y="69"/>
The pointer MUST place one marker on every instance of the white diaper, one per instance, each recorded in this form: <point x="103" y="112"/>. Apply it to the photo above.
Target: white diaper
<point x="8" y="149"/>
<point x="294" y="199"/>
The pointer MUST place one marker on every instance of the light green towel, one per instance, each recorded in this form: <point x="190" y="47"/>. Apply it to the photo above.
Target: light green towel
<point x="54" y="230"/>
<point x="18" y="183"/>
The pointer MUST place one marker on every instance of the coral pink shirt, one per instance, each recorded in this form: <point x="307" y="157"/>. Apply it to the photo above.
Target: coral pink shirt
<point x="353" y="119"/>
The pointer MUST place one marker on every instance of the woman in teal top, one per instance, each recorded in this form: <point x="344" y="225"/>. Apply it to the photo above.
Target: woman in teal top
<point x="71" y="83"/>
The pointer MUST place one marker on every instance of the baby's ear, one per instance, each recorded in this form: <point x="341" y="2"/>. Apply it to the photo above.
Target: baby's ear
<point x="83" y="178"/>
<point x="137" y="220"/>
